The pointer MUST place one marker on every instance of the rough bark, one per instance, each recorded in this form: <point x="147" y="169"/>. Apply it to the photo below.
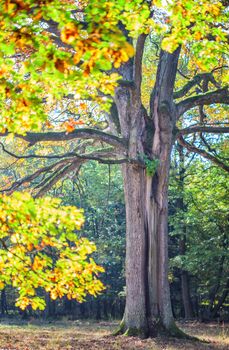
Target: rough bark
<point x="132" y="127"/>
<point x="148" y="307"/>
<point x="135" y="317"/>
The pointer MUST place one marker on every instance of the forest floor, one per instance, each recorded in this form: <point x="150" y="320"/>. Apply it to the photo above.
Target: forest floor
<point x="77" y="335"/>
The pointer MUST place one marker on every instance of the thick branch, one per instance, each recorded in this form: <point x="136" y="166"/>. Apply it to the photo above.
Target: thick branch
<point x="138" y="62"/>
<point x="196" y="80"/>
<point x="84" y="134"/>
<point x="30" y="156"/>
<point x="201" y="152"/>
<point x="217" y="96"/>
<point x="205" y="128"/>
<point x="165" y="79"/>
<point x="187" y="87"/>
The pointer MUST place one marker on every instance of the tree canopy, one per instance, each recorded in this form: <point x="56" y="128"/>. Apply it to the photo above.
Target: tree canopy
<point x="77" y="43"/>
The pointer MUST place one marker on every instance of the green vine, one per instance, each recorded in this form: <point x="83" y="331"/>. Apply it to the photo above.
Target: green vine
<point x="150" y="164"/>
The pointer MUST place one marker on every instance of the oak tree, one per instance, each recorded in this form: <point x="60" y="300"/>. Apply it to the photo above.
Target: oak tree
<point x="77" y="68"/>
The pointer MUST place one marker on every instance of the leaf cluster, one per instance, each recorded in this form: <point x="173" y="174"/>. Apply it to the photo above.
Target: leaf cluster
<point x="40" y="250"/>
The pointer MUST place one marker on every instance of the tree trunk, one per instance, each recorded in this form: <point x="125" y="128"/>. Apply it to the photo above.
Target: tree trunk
<point x="4" y="308"/>
<point x="185" y="290"/>
<point x="98" y="310"/>
<point x="148" y="306"/>
<point x="188" y="310"/>
<point x="135" y="316"/>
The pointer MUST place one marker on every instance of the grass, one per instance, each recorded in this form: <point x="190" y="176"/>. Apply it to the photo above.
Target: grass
<point x="77" y="335"/>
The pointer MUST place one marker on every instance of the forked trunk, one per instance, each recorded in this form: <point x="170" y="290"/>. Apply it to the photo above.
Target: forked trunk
<point x="148" y="306"/>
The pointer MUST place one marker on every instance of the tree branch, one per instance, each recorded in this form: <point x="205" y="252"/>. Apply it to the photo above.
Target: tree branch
<point x="98" y="156"/>
<point x="103" y="153"/>
<point x="187" y="87"/>
<point x="84" y="134"/>
<point x="33" y="176"/>
<point x="63" y="167"/>
<point x="75" y="165"/>
<point x="201" y="152"/>
<point x="30" y="156"/>
<point x="217" y="96"/>
<point x="204" y="128"/>
<point x="47" y="185"/>
<point x="165" y="77"/>
<point x="138" y="62"/>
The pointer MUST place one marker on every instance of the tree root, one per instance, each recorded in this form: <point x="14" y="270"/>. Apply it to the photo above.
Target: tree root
<point x="136" y="332"/>
<point x="156" y="329"/>
<point x="176" y="332"/>
<point x="120" y="330"/>
<point x="130" y="331"/>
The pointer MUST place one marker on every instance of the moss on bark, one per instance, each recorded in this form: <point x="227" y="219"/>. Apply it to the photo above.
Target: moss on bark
<point x="156" y="329"/>
<point x="174" y="331"/>
<point x="130" y="331"/>
<point x="120" y="330"/>
<point x="136" y="332"/>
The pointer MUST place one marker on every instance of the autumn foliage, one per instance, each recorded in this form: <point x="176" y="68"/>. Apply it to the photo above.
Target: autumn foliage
<point x="41" y="250"/>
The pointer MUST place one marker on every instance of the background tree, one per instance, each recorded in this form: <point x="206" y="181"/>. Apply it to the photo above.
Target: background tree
<point x="178" y="208"/>
<point x="98" y="190"/>
<point x="206" y="256"/>
<point x="87" y="49"/>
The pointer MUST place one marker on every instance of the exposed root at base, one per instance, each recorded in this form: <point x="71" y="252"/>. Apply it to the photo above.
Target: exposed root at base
<point x="176" y="332"/>
<point x="130" y="331"/>
<point x="120" y="330"/>
<point x="136" y="332"/>
<point x="157" y="329"/>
